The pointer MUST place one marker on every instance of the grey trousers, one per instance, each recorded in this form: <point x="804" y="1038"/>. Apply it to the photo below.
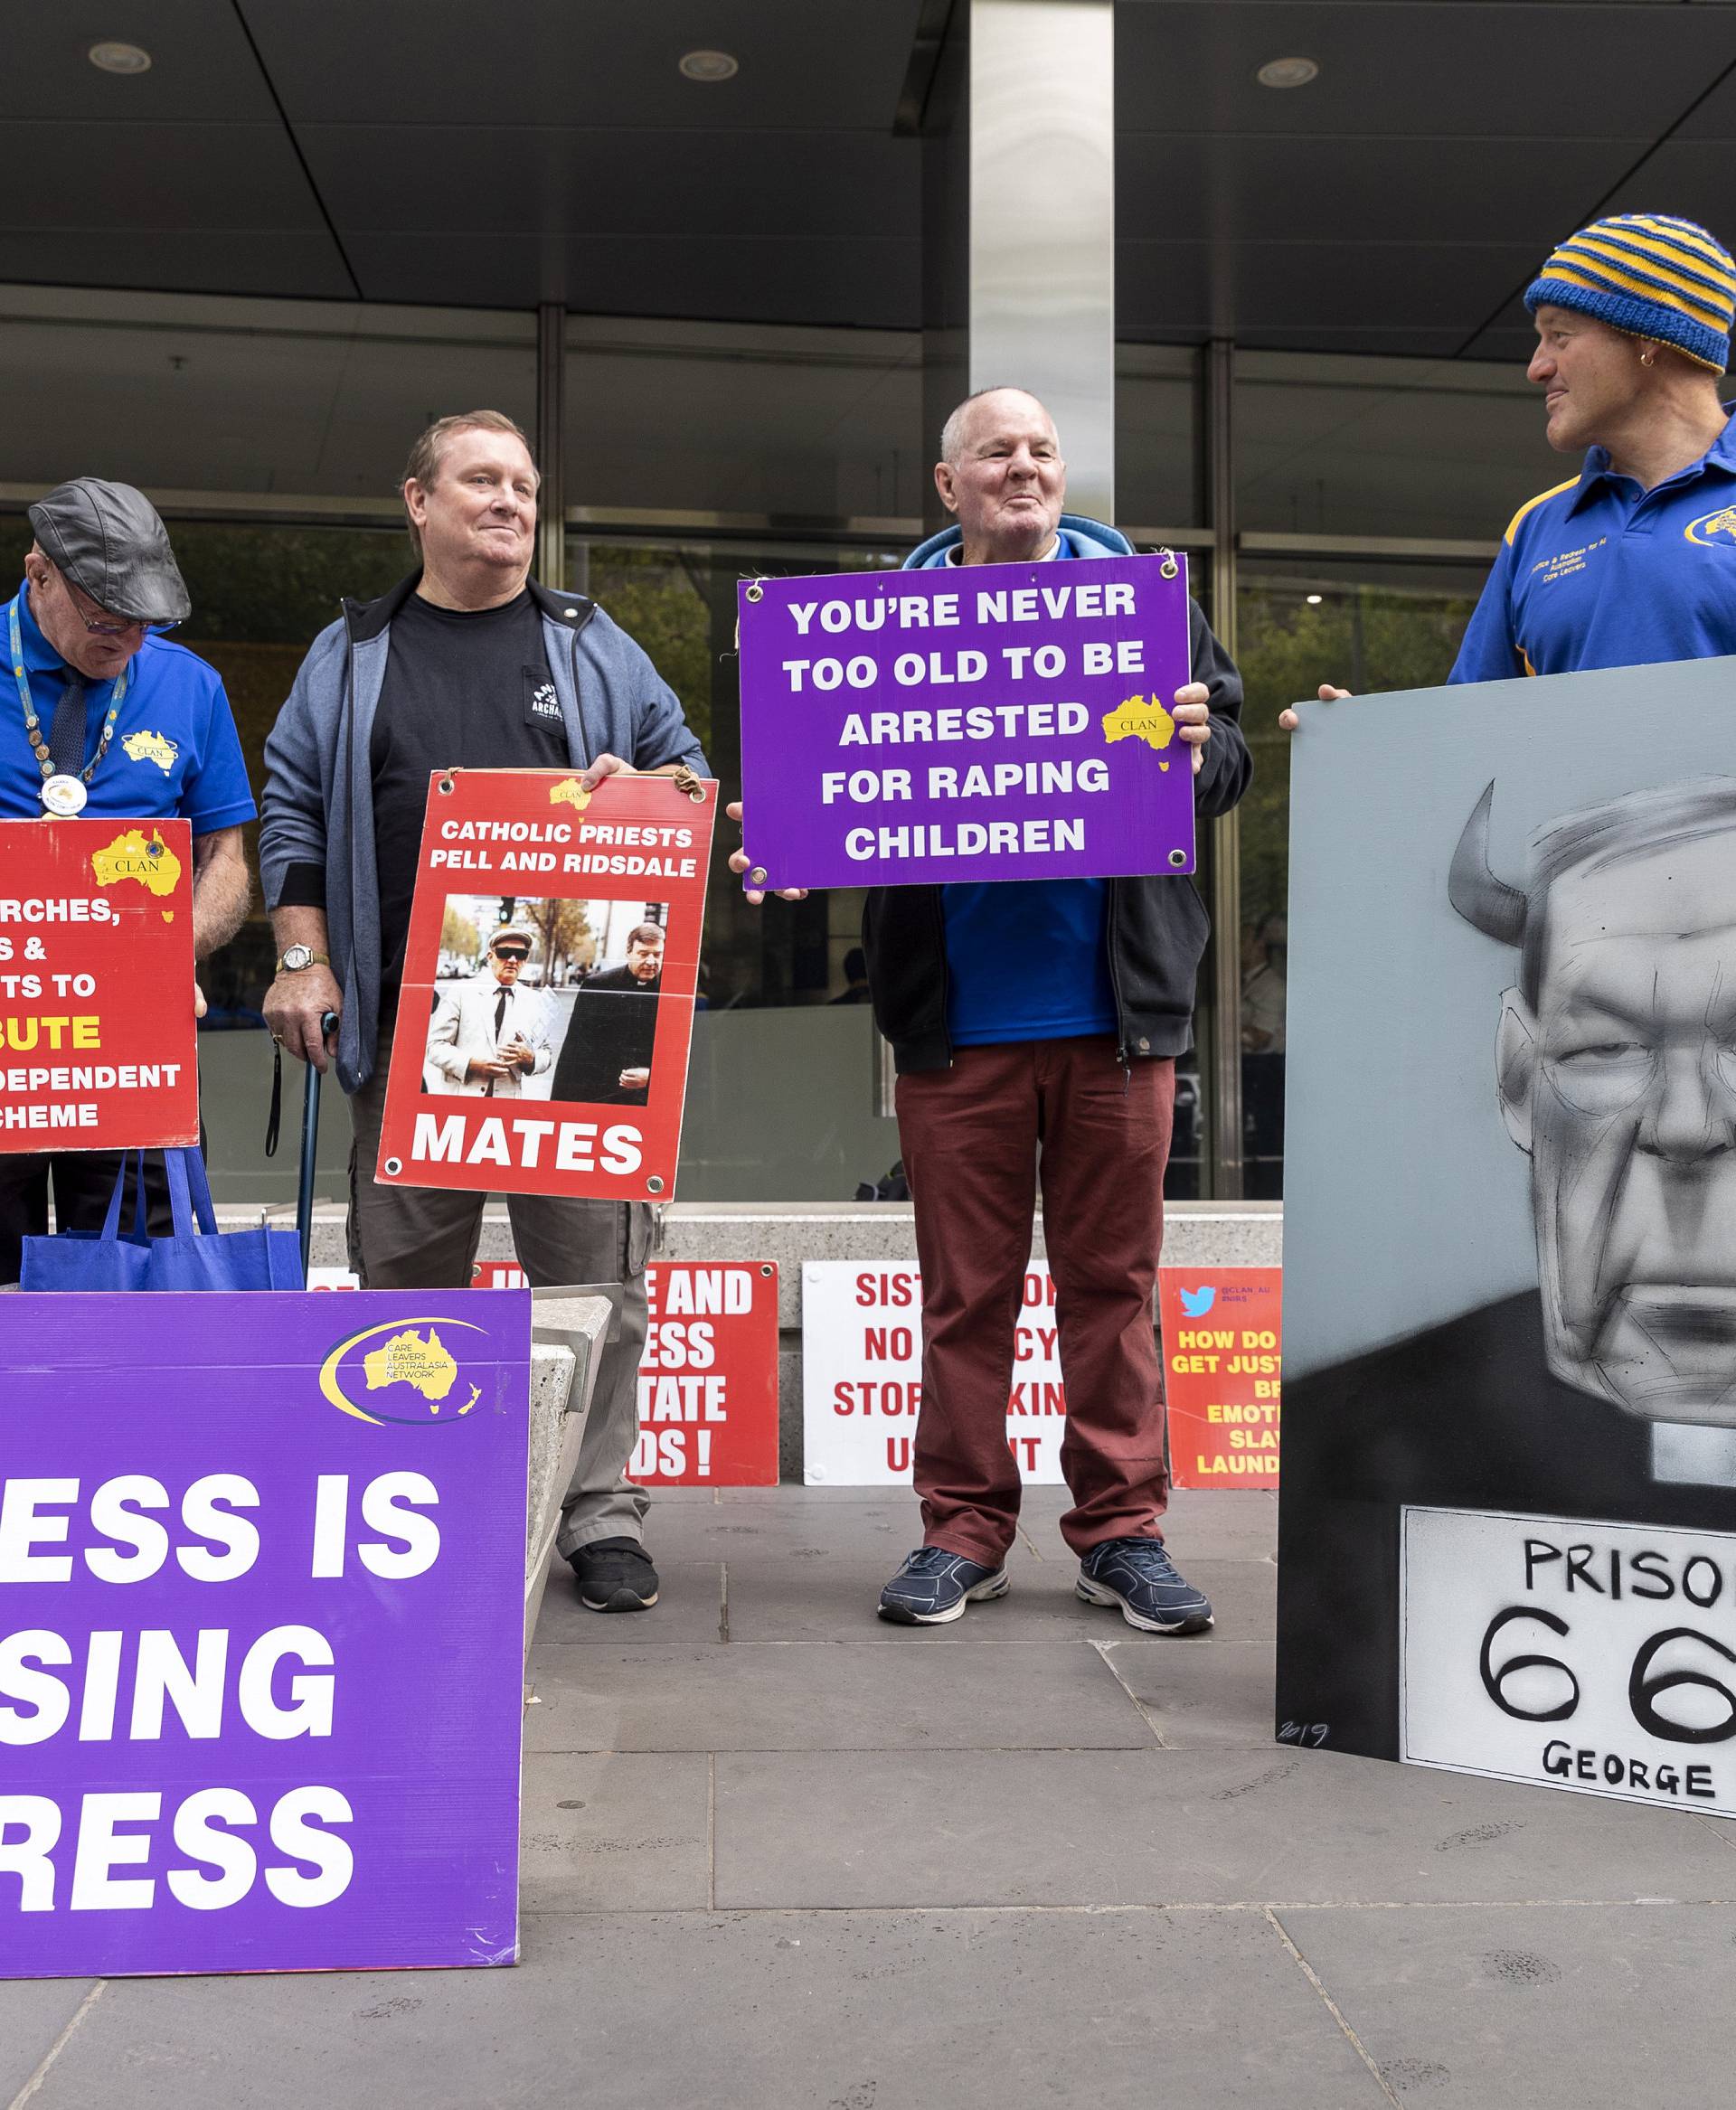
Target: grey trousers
<point x="425" y="1237"/>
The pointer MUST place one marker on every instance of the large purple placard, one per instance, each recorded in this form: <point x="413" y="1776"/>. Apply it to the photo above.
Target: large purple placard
<point x="994" y="721"/>
<point x="261" y="1577"/>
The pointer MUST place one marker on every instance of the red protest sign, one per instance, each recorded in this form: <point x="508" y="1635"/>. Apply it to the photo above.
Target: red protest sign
<point x="548" y="997"/>
<point x="97" y="1034"/>
<point x="1223" y="1364"/>
<point x="708" y="1380"/>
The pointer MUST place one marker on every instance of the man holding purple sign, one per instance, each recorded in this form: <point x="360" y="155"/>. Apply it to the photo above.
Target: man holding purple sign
<point x="1035" y="1026"/>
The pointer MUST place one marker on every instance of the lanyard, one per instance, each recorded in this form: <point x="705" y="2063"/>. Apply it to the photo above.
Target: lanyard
<point x="33" y="724"/>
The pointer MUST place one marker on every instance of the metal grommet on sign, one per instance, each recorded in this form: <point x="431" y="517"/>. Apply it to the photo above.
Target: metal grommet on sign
<point x="765" y="1267"/>
<point x="1170" y="567"/>
<point x="1178" y="858"/>
<point x="757" y="875"/>
<point x="653" y="1185"/>
<point x="446" y="783"/>
<point x="756" y="590"/>
<point x="394" y="1165"/>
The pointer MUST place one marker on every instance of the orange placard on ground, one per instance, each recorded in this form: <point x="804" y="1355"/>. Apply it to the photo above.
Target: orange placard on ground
<point x="708" y="1382"/>
<point x="97" y="1033"/>
<point x="1222" y="1362"/>
<point x="567" y="1076"/>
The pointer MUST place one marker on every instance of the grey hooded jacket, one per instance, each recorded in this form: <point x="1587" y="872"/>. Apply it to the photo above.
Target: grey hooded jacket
<point x="318" y="803"/>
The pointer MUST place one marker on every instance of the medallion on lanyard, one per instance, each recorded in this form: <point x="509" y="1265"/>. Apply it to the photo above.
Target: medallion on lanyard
<point x="63" y="794"/>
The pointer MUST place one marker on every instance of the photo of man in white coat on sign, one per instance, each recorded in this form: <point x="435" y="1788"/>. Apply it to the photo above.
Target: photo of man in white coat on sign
<point x="489" y="1033"/>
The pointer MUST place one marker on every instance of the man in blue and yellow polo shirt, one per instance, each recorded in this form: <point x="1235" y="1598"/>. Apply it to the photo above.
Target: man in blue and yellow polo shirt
<point x="108" y="718"/>
<point x="1634" y="560"/>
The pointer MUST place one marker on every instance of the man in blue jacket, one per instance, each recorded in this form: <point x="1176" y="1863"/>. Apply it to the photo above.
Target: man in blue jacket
<point x="1035" y="1026"/>
<point x="466" y="663"/>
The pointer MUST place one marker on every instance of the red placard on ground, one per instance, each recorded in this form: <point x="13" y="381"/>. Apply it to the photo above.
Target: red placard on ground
<point x="1222" y="1362"/>
<point x="708" y="1383"/>
<point x="97" y="1033"/>
<point x="576" y="1087"/>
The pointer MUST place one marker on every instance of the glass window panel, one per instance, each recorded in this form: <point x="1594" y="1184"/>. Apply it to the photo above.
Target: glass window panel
<point x="735" y="418"/>
<point x="1445" y="448"/>
<point x="1368" y="628"/>
<point x="1157" y="482"/>
<point x="184" y="393"/>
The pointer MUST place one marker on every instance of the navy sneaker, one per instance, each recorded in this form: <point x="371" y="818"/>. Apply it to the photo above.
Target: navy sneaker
<point x="934" y="1586"/>
<point x="1139" y="1575"/>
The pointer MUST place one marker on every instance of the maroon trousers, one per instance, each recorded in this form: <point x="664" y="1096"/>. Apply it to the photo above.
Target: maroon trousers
<point x="976" y="1140"/>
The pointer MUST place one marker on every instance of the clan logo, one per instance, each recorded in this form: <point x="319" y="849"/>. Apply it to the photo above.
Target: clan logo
<point x="410" y="1365"/>
<point x="152" y="746"/>
<point x="1709" y="524"/>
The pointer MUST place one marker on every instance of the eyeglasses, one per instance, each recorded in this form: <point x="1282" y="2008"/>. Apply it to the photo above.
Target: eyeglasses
<point x="107" y="627"/>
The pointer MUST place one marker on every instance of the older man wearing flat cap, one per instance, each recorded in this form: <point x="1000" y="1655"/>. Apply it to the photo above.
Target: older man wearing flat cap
<point x="110" y="720"/>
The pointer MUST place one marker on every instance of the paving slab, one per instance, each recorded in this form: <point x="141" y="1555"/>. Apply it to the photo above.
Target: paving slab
<point x="612" y="1833"/>
<point x="1159" y="1827"/>
<point x="1201" y="1696"/>
<point x="884" y="1529"/>
<point x="835" y="1695"/>
<point x="33" y="2013"/>
<point x="790" y="2011"/>
<point x="835" y="1599"/>
<point x="689" y="1609"/>
<point x="1550" y="2008"/>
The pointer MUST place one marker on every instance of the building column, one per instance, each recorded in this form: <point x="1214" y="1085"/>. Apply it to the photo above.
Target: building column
<point x="1018" y="183"/>
<point x="1224" y="1150"/>
<point x="551" y="369"/>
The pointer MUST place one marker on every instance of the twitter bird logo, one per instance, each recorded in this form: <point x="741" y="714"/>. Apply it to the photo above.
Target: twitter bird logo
<point x="1197" y="1303"/>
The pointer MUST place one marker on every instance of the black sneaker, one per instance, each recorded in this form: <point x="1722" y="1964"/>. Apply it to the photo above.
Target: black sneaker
<point x="934" y="1586"/>
<point x="615" y="1575"/>
<point x="1139" y="1575"/>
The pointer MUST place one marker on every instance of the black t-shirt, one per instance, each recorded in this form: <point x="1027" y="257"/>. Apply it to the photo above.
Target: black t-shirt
<point x="462" y="690"/>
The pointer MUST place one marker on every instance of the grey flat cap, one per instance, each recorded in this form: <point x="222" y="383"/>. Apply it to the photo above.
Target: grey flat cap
<point x="107" y="539"/>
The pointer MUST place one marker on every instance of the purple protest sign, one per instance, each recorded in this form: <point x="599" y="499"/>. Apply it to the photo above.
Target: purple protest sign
<point x="261" y="1577"/>
<point x="1003" y="721"/>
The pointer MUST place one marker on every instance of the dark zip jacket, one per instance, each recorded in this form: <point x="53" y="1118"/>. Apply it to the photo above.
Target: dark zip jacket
<point x="1157" y="925"/>
<point x="318" y="806"/>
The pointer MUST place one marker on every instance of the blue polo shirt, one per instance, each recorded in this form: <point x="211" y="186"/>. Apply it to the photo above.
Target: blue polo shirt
<point x="1028" y="959"/>
<point x="174" y="753"/>
<point x="1599" y="573"/>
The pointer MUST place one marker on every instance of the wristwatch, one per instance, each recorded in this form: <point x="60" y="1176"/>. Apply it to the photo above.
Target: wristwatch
<point x="297" y="956"/>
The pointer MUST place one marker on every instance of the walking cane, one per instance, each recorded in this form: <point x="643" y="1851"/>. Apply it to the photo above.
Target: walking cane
<point x="309" y="1137"/>
<point x="309" y="1145"/>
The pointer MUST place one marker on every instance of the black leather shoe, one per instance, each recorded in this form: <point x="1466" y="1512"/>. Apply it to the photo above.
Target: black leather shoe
<point x="615" y="1575"/>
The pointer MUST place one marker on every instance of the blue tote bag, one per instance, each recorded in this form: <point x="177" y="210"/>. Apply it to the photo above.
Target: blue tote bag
<point x="196" y="1256"/>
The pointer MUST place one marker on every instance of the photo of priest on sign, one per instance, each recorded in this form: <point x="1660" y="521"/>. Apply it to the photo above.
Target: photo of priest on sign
<point x="490" y="1032"/>
<point x="1616" y="1065"/>
<point x="606" y="1056"/>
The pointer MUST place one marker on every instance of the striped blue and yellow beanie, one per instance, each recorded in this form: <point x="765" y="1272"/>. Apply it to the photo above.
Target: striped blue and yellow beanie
<point x="1647" y="275"/>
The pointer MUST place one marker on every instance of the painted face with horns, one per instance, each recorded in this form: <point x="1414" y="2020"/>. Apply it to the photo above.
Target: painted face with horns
<point x="1616" y="1061"/>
